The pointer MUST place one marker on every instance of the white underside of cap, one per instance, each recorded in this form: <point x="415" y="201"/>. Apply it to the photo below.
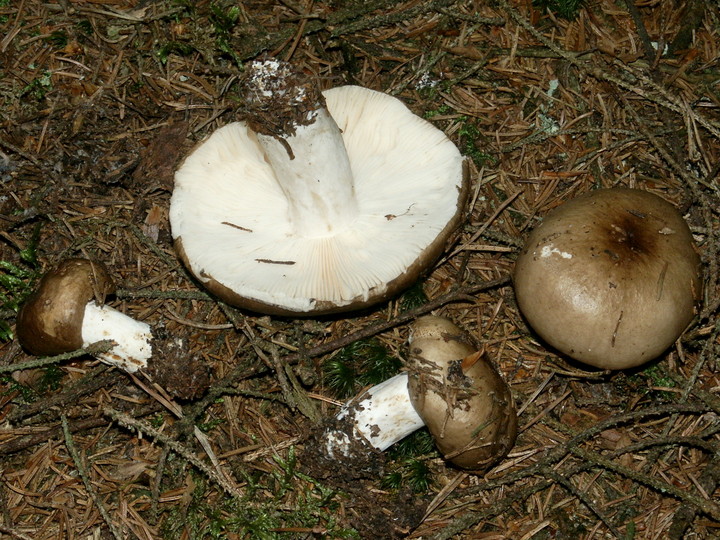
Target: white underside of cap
<point x="133" y="338"/>
<point x="382" y="416"/>
<point x="233" y="218"/>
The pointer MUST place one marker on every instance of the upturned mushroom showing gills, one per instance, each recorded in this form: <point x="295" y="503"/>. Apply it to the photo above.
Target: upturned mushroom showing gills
<point x="450" y="387"/>
<point x="611" y="278"/>
<point x="315" y="202"/>
<point x="66" y="313"/>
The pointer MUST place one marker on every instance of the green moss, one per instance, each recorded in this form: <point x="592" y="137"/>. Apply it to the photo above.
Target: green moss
<point x="567" y="9"/>
<point x="27" y="393"/>
<point x="413" y="298"/>
<point x="174" y="47"/>
<point x="441" y="110"/>
<point x="274" y="506"/>
<point x="470" y="138"/>
<point x="362" y="363"/>
<point x="58" y="38"/>
<point x="224" y="19"/>
<point x="15" y="284"/>
<point x="407" y="463"/>
<point x="38" y="87"/>
<point x="4" y="18"/>
<point x="50" y="379"/>
<point x="85" y="27"/>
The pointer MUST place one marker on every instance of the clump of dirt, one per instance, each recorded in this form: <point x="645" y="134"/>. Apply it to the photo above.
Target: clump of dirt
<point x="182" y="373"/>
<point x="374" y="513"/>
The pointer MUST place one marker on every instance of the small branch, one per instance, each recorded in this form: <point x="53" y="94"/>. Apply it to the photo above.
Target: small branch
<point x="641" y="30"/>
<point x="19" y="151"/>
<point x="710" y="508"/>
<point x="250" y="367"/>
<point x="100" y="377"/>
<point x="503" y="506"/>
<point x="553" y="456"/>
<point x="294" y="395"/>
<point x="658" y="94"/>
<point x="275" y="364"/>
<point x="15" y="534"/>
<point x="557" y="453"/>
<point x="391" y="18"/>
<point x="473" y="18"/>
<point x="685" y="515"/>
<point x="93" y="349"/>
<point x="182" y="295"/>
<point x="583" y="498"/>
<point x="86" y="480"/>
<point x="461" y="293"/>
<point x="181" y="450"/>
<point x="157" y="483"/>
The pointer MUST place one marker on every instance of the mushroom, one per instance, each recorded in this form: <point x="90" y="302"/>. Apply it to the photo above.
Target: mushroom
<point x="316" y="202"/>
<point x="465" y="403"/>
<point x="66" y="313"/>
<point x="451" y="388"/>
<point x="610" y="278"/>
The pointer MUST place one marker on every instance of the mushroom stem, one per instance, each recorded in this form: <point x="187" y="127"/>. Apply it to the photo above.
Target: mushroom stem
<point x="133" y="338"/>
<point x="381" y="416"/>
<point x="316" y="179"/>
<point x="304" y="148"/>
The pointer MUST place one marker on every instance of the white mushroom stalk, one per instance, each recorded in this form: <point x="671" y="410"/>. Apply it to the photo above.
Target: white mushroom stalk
<point x="315" y="202"/>
<point x="380" y="416"/>
<point x="316" y="179"/>
<point x="308" y="156"/>
<point x="133" y="338"/>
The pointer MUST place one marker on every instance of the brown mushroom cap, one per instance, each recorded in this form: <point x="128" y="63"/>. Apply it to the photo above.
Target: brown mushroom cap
<point x="465" y="403"/>
<point x="610" y="278"/>
<point x="50" y="320"/>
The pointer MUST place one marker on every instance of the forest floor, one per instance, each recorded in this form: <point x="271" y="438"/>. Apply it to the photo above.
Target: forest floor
<point x="99" y="102"/>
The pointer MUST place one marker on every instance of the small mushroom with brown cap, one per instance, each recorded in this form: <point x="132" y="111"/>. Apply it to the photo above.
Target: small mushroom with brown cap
<point x="465" y="403"/>
<point x="450" y="387"/>
<point x="66" y="313"/>
<point x="315" y="202"/>
<point x="610" y="278"/>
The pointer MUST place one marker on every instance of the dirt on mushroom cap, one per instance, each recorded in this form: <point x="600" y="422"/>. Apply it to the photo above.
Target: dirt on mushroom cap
<point x="465" y="403"/>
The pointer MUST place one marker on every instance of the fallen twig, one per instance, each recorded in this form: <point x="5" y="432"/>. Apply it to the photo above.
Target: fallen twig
<point x="86" y="480"/>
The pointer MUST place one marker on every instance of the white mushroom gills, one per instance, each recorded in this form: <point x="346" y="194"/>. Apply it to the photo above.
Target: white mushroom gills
<point x="382" y="416"/>
<point x="133" y="338"/>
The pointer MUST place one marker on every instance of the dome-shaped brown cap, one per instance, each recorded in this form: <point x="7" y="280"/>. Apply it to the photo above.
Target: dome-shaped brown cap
<point x="50" y="320"/>
<point x="610" y="278"/>
<point x="465" y="403"/>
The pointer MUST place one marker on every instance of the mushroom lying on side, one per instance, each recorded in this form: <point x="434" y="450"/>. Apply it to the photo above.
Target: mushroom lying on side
<point x="315" y="202"/>
<point x="610" y="278"/>
<point x="66" y="313"/>
<point x="451" y="388"/>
